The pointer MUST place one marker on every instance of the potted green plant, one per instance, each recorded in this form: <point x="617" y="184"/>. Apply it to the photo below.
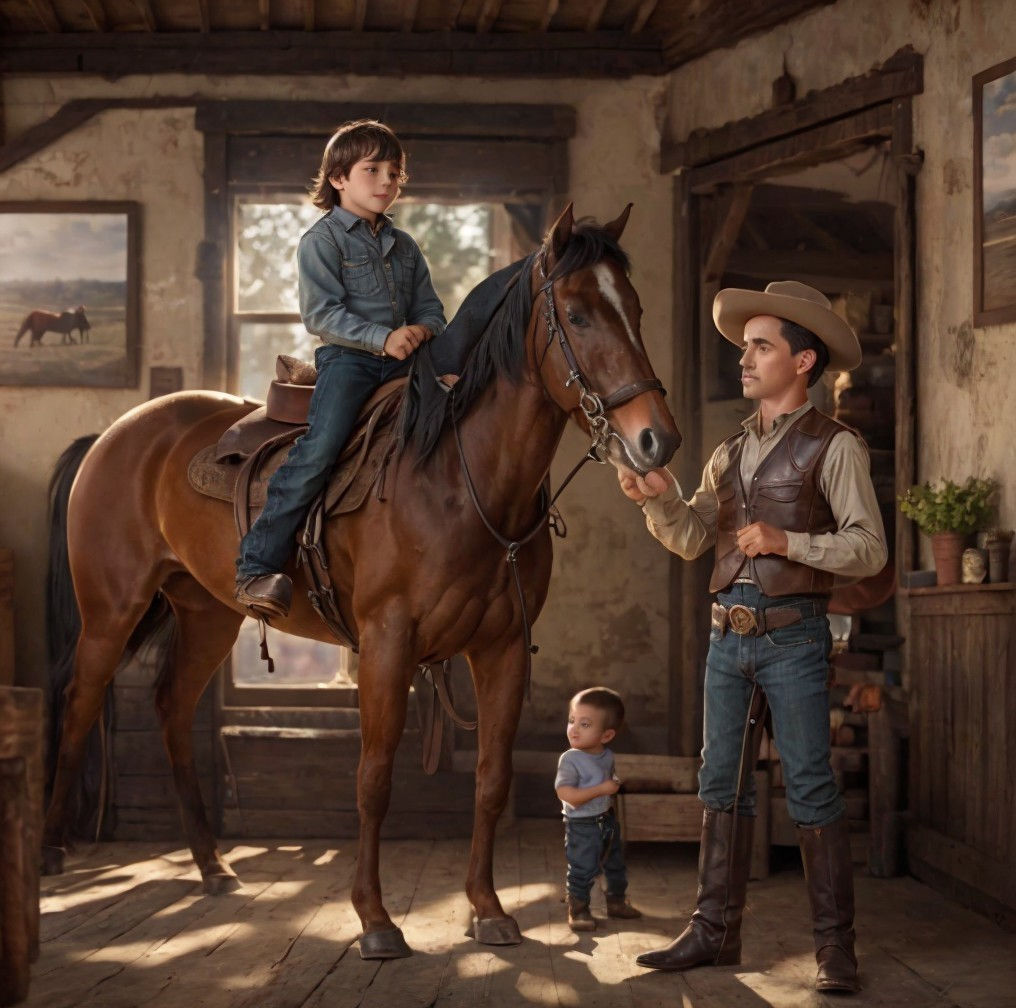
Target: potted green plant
<point x="948" y="513"/>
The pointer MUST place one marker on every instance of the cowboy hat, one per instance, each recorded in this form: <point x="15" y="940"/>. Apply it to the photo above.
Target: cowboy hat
<point x="797" y="302"/>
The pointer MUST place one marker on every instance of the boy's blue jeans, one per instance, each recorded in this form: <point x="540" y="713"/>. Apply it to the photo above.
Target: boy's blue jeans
<point x="792" y="665"/>
<point x="593" y="844"/>
<point x="346" y="379"/>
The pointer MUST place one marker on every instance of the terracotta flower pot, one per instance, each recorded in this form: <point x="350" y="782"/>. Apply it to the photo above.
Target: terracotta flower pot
<point x="947" y="549"/>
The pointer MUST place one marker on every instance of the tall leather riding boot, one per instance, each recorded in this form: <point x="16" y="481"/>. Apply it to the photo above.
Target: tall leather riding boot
<point x="829" y="871"/>
<point x="713" y="935"/>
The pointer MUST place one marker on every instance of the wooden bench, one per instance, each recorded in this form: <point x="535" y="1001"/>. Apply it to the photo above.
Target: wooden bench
<point x="21" y="785"/>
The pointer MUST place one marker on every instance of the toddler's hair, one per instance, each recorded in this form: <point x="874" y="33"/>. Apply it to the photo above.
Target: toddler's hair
<point x="603" y="699"/>
<point x="352" y="142"/>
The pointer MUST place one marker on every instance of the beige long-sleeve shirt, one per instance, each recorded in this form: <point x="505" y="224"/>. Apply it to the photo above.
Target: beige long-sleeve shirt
<point x="857" y="548"/>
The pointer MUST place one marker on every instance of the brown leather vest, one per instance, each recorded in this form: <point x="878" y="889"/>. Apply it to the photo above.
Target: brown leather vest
<point x="784" y="493"/>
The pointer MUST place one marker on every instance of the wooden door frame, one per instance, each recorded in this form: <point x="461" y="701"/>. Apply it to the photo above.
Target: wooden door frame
<point x="824" y="126"/>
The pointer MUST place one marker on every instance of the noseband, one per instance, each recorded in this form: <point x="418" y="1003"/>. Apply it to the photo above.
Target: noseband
<point x="594" y="406"/>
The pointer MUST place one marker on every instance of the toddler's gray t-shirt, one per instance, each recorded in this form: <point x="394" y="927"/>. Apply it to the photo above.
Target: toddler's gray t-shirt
<point x="580" y="769"/>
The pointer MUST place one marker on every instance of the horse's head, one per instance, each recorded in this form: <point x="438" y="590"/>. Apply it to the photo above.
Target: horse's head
<point x="588" y="346"/>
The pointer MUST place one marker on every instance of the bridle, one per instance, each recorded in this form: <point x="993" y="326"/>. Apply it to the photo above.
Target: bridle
<point x="594" y="407"/>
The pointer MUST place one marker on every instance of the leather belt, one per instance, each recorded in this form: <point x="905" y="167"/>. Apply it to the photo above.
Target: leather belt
<point x="744" y="620"/>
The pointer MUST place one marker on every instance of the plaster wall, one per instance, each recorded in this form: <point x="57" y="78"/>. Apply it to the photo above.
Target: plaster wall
<point x="966" y="399"/>
<point x="606" y="617"/>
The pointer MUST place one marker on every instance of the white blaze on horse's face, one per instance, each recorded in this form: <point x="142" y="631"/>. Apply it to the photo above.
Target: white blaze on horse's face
<point x="608" y="288"/>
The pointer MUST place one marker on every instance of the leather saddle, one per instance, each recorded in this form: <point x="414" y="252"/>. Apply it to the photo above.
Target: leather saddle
<point x="237" y="468"/>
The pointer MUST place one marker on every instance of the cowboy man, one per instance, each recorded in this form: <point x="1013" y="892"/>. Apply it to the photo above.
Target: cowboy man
<point x="789" y="504"/>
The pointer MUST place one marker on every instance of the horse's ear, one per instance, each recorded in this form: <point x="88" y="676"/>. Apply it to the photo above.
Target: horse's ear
<point x="616" y="227"/>
<point x="561" y="232"/>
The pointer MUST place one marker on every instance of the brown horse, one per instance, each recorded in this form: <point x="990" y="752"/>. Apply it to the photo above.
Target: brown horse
<point x="430" y="577"/>
<point x="39" y="322"/>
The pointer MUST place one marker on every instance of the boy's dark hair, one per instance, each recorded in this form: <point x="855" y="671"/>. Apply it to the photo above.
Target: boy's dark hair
<point x="603" y="699"/>
<point x="800" y="339"/>
<point x="354" y="141"/>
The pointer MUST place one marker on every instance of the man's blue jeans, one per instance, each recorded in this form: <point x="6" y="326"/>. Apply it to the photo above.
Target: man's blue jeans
<point x="791" y="664"/>
<point x="346" y="379"/>
<point x="593" y="844"/>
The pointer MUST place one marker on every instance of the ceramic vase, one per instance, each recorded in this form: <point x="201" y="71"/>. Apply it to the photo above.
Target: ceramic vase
<point x="947" y="549"/>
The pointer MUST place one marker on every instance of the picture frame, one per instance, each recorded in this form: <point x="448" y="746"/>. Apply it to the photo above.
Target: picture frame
<point x="69" y="298"/>
<point x="994" y="105"/>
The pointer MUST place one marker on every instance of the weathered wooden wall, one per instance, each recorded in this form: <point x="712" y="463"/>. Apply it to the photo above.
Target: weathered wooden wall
<point x="962" y="752"/>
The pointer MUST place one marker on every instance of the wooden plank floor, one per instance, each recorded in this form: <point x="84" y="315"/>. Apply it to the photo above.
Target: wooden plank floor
<point x="127" y="926"/>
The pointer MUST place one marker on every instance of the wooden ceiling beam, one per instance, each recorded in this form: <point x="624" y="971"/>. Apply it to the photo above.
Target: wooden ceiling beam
<point x="97" y="13"/>
<point x="489" y="13"/>
<point x="723" y="23"/>
<point x="359" y="15"/>
<point x="147" y="15"/>
<point x="548" y="14"/>
<point x="409" y="11"/>
<point x="638" y="18"/>
<point x="606" y="55"/>
<point x="595" y="14"/>
<point x="46" y="13"/>
<point x="265" y="13"/>
<point x="308" y="15"/>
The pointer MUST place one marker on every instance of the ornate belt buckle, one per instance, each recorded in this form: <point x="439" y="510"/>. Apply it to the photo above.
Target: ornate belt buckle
<point x="742" y="620"/>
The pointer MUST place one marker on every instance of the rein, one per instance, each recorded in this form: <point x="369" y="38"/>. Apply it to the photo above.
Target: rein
<point x="594" y="407"/>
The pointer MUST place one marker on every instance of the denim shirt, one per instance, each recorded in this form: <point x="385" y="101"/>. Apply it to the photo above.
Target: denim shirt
<point x="356" y="287"/>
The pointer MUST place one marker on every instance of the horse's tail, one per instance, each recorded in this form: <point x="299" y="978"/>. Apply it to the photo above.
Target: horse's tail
<point x="63" y="627"/>
<point x="25" y="326"/>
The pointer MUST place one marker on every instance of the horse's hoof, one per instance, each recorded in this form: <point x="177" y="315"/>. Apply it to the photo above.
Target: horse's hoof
<point x="495" y="931"/>
<point x="221" y="883"/>
<point x="384" y="945"/>
<point x="52" y="860"/>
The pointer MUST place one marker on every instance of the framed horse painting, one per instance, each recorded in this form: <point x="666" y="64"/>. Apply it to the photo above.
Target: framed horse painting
<point x="995" y="194"/>
<point x="69" y="294"/>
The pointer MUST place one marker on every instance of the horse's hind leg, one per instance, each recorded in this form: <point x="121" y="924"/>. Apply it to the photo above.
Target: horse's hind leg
<point x="205" y="631"/>
<point x="100" y="646"/>
<point x="499" y="679"/>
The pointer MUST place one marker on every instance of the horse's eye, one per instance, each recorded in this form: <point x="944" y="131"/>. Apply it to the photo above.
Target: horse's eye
<point x="576" y="319"/>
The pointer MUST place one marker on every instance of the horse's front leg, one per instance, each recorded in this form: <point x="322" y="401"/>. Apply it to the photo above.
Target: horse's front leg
<point x="386" y="668"/>
<point x="499" y="674"/>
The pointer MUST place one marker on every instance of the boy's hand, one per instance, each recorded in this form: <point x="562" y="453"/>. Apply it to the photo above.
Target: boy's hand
<point x="641" y="488"/>
<point x="610" y="787"/>
<point x="403" y="341"/>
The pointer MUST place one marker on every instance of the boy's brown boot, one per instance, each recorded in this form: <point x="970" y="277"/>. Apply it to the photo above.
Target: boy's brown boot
<point x="579" y="917"/>
<point x="618" y="906"/>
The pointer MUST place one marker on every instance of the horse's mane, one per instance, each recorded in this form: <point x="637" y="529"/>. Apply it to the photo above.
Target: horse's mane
<point x="500" y="351"/>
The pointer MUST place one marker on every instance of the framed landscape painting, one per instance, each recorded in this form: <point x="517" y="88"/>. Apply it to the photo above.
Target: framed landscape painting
<point x="995" y="194"/>
<point x="69" y="294"/>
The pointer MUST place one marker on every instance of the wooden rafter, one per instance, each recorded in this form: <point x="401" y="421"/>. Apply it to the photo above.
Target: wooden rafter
<point x="595" y="14"/>
<point x="265" y="12"/>
<point x="47" y="15"/>
<point x="203" y="17"/>
<point x="489" y="13"/>
<point x="308" y="15"/>
<point x="638" y="18"/>
<point x="147" y="15"/>
<point x="409" y="9"/>
<point x="725" y="22"/>
<point x="359" y="15"/>
<point x="97" y="13"/>
<point x="548" y="14"/>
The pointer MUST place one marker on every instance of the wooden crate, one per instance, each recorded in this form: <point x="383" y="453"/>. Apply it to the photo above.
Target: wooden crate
<point x="21" y="787"/>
